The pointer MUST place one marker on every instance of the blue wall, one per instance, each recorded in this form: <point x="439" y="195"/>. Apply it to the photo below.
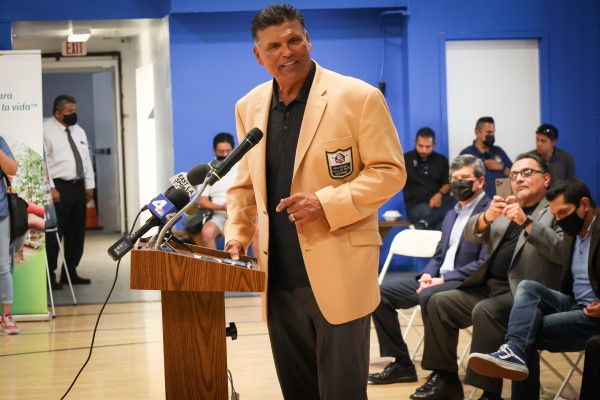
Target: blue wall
<point x="44" y="10"/>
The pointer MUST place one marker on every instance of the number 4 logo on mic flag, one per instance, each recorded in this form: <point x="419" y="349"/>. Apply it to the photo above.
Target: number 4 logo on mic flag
<point x="162" y="208"/>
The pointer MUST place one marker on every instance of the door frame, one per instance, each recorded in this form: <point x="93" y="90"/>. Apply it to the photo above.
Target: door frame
<point x="99" y="62"/>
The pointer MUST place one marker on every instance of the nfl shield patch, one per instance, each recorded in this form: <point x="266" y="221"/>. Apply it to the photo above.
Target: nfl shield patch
<point x="340" y="163"/>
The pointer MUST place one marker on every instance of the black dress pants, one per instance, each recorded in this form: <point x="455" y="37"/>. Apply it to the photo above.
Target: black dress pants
<point x="313" y="358"/>
<point x="398" y="291"/>
<point x="591" y="369"/>
<point x="71" y="215"/>
<point x="486" y="308"/>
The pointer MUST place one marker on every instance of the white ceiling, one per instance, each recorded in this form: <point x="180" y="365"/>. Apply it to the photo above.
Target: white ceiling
<point x="31" y="30"/>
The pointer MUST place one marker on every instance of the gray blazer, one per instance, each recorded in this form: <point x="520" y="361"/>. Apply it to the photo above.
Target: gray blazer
<point x="539" y="256"/>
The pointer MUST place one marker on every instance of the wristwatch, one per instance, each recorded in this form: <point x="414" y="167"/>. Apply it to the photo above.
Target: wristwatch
<point x="528" y="221"/>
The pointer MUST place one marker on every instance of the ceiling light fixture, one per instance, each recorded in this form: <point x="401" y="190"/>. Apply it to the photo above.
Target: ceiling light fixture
<point x="79" y="35"/>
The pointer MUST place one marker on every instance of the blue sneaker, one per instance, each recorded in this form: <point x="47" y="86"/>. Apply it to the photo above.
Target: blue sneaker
<point x="507" y="363"/>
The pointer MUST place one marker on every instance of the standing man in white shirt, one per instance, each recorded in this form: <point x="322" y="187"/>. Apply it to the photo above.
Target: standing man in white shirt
<point x="72" y="186"/>
<point x="215" y="196"/>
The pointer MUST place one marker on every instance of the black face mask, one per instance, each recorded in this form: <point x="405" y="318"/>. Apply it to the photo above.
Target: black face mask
<point x="489" y="141"/>
<point x="462" y="190"/>
<point x="572" y="224"/>
<point x="70" y="119"/>
<point x="220" y="158"/>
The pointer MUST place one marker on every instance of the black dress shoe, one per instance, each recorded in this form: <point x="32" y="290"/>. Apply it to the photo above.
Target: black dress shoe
<point x="490" y="396"/>
<point x="432" y="379"/>
<point x="437" y="389"/>
<point x="75" y="280"/>
<point x="394" y="373"/>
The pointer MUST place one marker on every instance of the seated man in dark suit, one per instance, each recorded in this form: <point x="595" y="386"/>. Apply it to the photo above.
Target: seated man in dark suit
<point x="523" y="242"/>
<point x="454" y="260"/>
<point x="546" y="319"/>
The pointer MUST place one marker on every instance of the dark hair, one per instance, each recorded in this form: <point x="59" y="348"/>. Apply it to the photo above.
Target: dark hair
<point x="468" y="160"/>
<point x="572" y="189"/>
<point x="542" y="164"/>
<point x="426" y="132"/>
<point x="274" y="15"/>
<point x="61" y="100"/>
<point x="482" y="121"/>
<point x="548" y="130"/>
<point x="223" y="137"/>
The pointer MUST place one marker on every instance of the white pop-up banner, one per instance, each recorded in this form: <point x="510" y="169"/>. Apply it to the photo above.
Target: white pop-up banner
<point x="21" y="127"/>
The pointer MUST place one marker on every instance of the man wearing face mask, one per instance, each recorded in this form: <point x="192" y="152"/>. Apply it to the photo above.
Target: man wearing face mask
<point x="215" y="196"/>
<point x="523" y="242"/>
<point x="497" y="164"/>
<point x="72" y="186"/>
<point x="454" y="260"/>
<point x="546" y="319"/>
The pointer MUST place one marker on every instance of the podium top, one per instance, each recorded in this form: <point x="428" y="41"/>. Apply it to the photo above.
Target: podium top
<point x="192" y="271"/>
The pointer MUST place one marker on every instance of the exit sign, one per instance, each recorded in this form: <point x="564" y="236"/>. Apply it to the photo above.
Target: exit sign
<point x="74" y="49"/>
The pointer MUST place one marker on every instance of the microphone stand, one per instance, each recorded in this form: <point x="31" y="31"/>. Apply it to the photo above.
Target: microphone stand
<point x="176" y="217"/>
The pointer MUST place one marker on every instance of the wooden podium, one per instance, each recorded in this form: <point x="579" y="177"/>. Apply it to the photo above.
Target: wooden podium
<point x="193" y="314"/>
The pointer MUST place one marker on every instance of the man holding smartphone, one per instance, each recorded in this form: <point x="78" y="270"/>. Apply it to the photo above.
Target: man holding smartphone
<point x="524" y="242"/>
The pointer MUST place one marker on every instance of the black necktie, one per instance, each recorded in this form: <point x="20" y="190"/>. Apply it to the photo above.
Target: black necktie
<point x="76" y="155"/>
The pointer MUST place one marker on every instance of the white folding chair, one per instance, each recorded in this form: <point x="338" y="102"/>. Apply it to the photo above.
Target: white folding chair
<point x="573" y="367"/>
<point x="412" y="243"/>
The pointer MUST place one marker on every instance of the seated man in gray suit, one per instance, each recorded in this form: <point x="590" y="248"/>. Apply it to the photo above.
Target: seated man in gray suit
<point x="524" y="242"/>
<point x="454" y="260"/>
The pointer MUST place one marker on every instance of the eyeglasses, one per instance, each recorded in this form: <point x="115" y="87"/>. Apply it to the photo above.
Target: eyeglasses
<point x="525" y="173"/>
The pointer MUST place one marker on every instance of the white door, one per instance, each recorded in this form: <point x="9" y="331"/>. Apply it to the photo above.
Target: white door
<point x="94" y="84"/>
<point x="497" y="78"/>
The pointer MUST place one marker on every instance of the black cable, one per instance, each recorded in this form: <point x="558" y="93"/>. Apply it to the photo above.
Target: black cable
<point x="100" y="315"/>
<point x="234" y="395"/>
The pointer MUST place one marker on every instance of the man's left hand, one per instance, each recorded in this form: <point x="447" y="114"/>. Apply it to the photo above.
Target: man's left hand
<point x="593" y="309"/>
<point x="89" y="195"/>
<point x="302" y="209"/>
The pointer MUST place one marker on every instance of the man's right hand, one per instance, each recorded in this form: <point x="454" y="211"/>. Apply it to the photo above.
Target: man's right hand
<point x="234" y="248"/>
<point x="55" y="195"/>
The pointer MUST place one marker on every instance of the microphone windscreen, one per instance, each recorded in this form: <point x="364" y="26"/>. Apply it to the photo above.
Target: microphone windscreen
<point x="254" y="136"/>
<point x="197" y="174"/>
<point x="178" y="197"/>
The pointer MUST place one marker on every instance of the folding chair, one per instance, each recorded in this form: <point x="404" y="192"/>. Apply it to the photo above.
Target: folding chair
<point x="54" y="230"/>
<point x="412" y="243"/>
<point x="573" y="367"/>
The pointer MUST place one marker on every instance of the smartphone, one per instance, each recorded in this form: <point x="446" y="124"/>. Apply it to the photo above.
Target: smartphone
<point x="503" y="188"/>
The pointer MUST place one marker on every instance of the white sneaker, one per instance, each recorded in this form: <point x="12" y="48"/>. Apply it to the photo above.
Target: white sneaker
<point x="9" y="326"/>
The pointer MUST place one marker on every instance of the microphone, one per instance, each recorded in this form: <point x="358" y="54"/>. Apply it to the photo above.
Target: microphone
<point x="163" y="207"/>
<point x="251" y="139"/>
<point x="197" y="174"/>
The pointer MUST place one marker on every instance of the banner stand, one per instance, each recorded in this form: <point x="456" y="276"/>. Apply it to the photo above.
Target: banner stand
<point x="22" y="128"/>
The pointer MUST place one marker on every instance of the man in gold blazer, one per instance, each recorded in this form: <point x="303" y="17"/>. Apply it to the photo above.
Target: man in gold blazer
<point x="330" y="158"/>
